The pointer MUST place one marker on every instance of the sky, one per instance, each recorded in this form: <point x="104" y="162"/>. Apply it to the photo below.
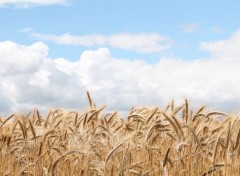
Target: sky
<point x="125" y="53"/>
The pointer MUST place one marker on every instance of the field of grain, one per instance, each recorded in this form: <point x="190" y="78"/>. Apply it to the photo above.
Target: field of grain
<point x="165" y="141"/>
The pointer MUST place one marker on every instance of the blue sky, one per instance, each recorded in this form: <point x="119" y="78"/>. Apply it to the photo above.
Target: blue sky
<point x="213" y="19"/>
<point x="157" y="37"/>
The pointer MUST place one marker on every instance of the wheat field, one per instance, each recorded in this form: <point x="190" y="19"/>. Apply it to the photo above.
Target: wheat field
<point x="169" y="141"/>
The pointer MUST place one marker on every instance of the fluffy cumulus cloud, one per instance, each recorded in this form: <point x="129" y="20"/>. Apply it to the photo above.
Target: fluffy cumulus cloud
<point x="30" y="79"/>
<point x="139" y="42"/>
<point x="29" y="3"/>
<point x="17" y="59"/>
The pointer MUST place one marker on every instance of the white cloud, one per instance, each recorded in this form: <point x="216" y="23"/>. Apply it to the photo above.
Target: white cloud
<point x="189" y="28"/>
<point x="40" y="79"/>
<point x="16" y="58"/>
<point x="31" y="79"/>
<point x="29" y="3"/>
<point x="224" y="48"/>
<point x="140" y="42"/>
<point x="67" y="39"/>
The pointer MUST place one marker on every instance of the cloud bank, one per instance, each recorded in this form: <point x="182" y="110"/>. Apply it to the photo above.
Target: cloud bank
<point x="29" y="3"/>
<point x="139" y="42"/>
<point x="31" y="79"/>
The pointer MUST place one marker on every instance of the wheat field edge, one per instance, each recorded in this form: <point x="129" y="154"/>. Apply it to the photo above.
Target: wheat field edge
<point x="169" y="141"/>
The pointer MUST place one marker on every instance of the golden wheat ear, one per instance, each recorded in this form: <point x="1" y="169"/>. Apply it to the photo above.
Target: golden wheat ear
<point x="90" y="101"/>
